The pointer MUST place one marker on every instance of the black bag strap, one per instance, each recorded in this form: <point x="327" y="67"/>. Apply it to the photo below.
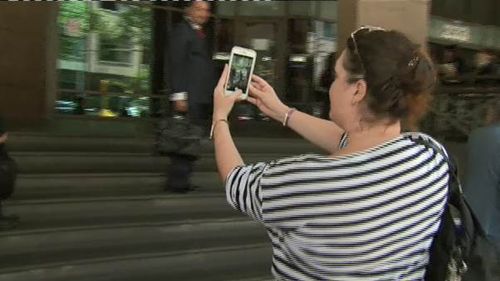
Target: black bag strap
<point x="469" y="223"/>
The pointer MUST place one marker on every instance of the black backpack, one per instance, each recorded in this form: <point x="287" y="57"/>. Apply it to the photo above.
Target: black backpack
<point x="459" y="232"/>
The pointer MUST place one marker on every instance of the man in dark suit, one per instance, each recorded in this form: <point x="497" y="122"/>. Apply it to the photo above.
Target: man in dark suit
<point x="193" y="81"/>
<point x="8" y="172"/>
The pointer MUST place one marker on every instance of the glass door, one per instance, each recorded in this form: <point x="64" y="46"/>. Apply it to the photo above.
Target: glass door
<point x="262" y="35"/>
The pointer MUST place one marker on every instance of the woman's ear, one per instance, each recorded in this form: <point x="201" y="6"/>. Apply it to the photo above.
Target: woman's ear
<point x="360" y="93"/>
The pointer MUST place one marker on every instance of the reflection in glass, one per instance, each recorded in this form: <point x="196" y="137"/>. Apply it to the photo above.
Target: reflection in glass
<point x="105" y="51"/>
<point x="262" y="8"/>
<point x="328" y="10"/>
<point x="302" y="8"/>
<point x="225" y="35"/>
<point x="261" y="36"/>
<point x="115" y="51"/>
<point x="226" y="8"/>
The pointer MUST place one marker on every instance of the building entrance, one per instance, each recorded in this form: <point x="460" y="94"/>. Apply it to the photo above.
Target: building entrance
<point x="263" y="36"/>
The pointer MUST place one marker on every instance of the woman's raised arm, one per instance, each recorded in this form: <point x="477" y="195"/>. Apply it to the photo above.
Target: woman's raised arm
<point x="322" y="133"/>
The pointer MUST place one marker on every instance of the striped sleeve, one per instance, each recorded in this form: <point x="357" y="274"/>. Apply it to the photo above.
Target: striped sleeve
<point x="243" y="189"/>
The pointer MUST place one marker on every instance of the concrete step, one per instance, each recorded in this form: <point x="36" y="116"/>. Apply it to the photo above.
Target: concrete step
<point x="47" y="246"/>
<point x="40" y="186"/>
<point x="109" y="211"/>
<point x="44" y="142"/>
<point x="37" y="142"/>
<point x="259" y="278"/>
<point x="213" y="264"/>
<point x="97" y="162"/>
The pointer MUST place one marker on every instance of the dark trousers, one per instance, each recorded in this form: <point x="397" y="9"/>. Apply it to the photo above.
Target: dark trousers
<point x="181" y="166"/>
<point x="8" y="173"/>
<point x="179" y="172"/>
<point x="200" y="114"/>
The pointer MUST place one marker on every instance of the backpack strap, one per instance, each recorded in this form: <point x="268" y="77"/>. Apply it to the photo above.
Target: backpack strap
<point x="465" y="219"/>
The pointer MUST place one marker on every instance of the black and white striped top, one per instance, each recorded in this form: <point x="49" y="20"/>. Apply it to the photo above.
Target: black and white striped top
<point x="365" y="216"/>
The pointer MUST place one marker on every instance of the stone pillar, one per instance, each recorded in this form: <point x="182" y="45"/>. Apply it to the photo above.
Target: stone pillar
<point x="408" y="16"/>
<point x="28" y="58"/>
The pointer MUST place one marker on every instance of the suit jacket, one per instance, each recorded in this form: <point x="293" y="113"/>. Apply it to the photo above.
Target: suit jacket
<point x="191" y="64"/>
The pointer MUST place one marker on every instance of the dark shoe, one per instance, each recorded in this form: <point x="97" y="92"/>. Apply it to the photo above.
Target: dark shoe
<point x="8" y="222"/>
<point x="193" y="187"/>
<point x="182" y="190"/>
<point x="178" y="190"/>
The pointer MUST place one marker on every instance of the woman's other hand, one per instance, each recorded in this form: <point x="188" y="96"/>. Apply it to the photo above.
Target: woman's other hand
<point x="223" y="104"/>
<point x="265" y="98"/>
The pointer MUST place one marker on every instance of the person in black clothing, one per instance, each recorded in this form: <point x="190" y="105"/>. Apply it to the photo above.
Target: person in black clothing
<point x="486" y="68"/>
<point x="326" y="79"/>
<point x="327" y="76"/>
<point x="8" y="172"/>
<point x="192" y="80"/>
<point x="482" y="189"/>
<point x="485" y="61"/>
<point x="452" y="66"/>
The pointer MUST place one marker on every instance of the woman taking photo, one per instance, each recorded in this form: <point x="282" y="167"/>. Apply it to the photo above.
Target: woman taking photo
<point x="368" y="208"/>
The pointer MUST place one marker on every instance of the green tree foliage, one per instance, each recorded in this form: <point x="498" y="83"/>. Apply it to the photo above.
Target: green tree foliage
<point x="137" y="22"/>
<point x="130" y="22"/>
<point x="74" y="24"/>
<point x="75" y="10"/>
<point x="128" y="25"/>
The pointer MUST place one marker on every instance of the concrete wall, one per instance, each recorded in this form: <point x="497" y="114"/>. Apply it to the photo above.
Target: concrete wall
<point x="28" y="75"/>
<point x="348" y="22"/>
<point x="408" y="16"/>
